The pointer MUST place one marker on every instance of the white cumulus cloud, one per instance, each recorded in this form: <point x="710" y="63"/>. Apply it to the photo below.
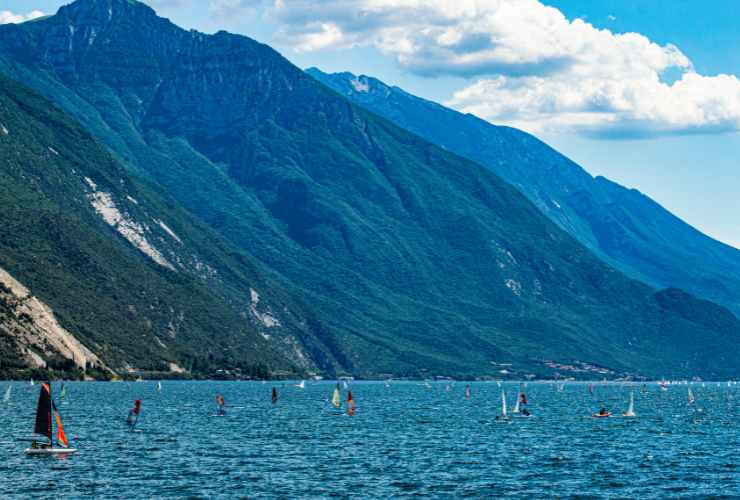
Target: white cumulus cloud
<point x="526" y="63"/>
<point x="8" y="17"/>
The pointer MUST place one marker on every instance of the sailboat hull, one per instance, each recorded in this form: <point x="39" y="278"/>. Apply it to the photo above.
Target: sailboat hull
<point x="50" y="451"/>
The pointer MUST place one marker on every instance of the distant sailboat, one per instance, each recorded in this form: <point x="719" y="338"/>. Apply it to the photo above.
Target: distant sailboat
<point x="44" y="427"/>
<point x="351" y="405"/>
<point x="6" y="398"/>
<point x="32" y="382"/>
<point x="516" y="406"/>
<point x="159" y="386"/>
<point x="561" y="386"/>
<point x="344" y="383"/>
<point x="274" y="395"/>
<point x="467" y="392"/>
<point x="301" y="385"/>
<point x="691" y="397"/>
<point x="63" y="393"/>
<point x="631" y="410"/>
<point x="591" y="389"/>
<point x="387" y="384"/>
<point x="336" y="398"/>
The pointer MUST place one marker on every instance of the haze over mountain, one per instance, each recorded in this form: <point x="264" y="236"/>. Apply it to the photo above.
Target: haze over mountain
<point x="623" y="226"/>
<point x="385" y="254"/>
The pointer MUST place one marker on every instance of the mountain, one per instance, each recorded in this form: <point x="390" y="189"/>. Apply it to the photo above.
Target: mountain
<point x="101" y="274"/>
<point x="393" y="255"/>
<point x="624" y="227"/>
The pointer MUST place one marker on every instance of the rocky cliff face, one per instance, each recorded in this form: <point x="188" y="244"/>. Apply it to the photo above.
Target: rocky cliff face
<point x="386" y="254"/>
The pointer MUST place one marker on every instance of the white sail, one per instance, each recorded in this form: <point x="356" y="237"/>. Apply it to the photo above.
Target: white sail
<point x="159" y="386"/>
<point x="302" y="385"/>
<point x="6" y="398"/>
<point x="336" y="398"/>
<point x="691" y="397"/>
<point x="503" y="404"/>
<point x="516" y="406"/>
<point x="32" y="383"/>
<point x="631" y="410"/>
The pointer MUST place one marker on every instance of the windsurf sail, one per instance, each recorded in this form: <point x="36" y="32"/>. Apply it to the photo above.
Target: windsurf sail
<point x="591" y="389"/>
<point x="336" y="398"/>
<point x="344" y="383"/>
<point x="691" y="397"/>
<point x="63" y="393"/>
<point x="301" y="385"/>
<point x="32" y="382"/>
<point x="274" y="395"/>
<point x="159" y="386"/>
<point x="133" y="414"/>
<point x="516" y="406"/>
<point x="467" y="391"/>
<point x="503" y="404"/>
<point x="351" y="405"/>
<point x="6" y="398"/>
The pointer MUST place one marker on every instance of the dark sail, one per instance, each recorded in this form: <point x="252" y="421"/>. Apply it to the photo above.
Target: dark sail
<point x="43" y="412"/>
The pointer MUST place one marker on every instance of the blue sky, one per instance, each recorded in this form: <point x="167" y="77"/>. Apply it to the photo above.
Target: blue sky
<point x="647" y="111"/>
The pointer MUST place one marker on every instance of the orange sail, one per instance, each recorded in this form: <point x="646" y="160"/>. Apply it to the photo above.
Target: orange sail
<point x="61" y="437"/>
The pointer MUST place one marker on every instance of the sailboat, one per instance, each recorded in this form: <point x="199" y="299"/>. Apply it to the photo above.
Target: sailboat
<point x="63" y="393"/>
<point x="631" y="410"/>
<point x="516" y="406"/>
<point x="301" y="385"/>
<point x="351" y="405"/>
<point x="387" y="384"/>
<point x="336" y="398"/>
<point x="44" y="427"/>
<point x="691" y="397"/>
<point x="32" y="383"/>
<point x="159" y="386"/>
<point x="344" y="383"/>
<point x="467" y="391"/>
<point x="6" y="398"/>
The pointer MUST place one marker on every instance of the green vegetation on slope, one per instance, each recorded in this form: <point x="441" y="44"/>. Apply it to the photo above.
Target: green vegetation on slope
<point x="129" y="309"/>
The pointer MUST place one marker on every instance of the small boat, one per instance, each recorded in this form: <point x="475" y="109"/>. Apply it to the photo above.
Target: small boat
<point x="336" y="397"/>
<point x="301" y="385"/>
<point x="6" y="398"/>
<point x="663" y="385"/>
<point x="351" y="405"/>
<point x="44" y="427"/>
<point x="274" y="395"/>
<point x="691" y="397"/>
<point x="631" y="409"/>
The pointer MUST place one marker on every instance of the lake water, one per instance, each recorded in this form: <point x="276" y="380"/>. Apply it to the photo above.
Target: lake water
<point x="405" y="440"/>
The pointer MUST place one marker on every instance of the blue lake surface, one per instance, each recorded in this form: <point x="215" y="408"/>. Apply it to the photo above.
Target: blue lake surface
<point x="406" y="440"/>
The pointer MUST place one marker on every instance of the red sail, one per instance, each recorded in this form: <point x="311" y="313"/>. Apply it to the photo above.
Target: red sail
<point x="43" y="412"/>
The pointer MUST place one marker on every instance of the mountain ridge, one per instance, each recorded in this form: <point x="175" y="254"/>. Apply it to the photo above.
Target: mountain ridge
<point x="400" y="258"/>
<point x="625" y="227"/>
